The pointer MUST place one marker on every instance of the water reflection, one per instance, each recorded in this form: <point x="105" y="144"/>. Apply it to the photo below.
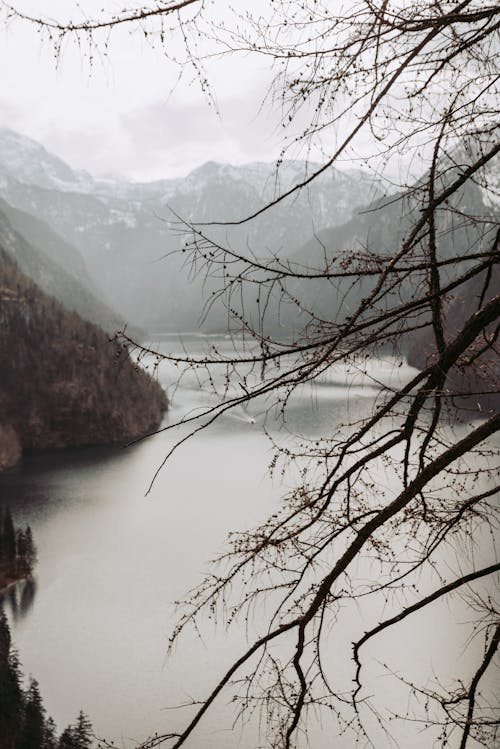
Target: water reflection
<point x="93" y="627"/>
<point x="19" y="597"/>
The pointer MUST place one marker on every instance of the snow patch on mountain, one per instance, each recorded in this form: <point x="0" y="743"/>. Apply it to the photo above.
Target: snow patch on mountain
<point x="123" y="228"/>
<point x="29" y="162"/>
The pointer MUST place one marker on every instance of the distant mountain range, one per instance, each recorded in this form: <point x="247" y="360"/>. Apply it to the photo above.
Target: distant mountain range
<point x="126" y="231"/>
<point x="377" y="231"/>
<point x="110" y="250"/>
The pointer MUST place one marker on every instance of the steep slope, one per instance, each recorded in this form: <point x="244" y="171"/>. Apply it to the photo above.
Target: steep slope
<point x="28" y="161"/>
<point x="54" y="265"/>
<point x="39" y="234"/>
<point x="63" y="382"/>
<point x="377" y="231"/>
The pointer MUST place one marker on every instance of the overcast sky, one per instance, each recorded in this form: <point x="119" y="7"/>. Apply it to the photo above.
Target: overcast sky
<point x="121" y="116"/>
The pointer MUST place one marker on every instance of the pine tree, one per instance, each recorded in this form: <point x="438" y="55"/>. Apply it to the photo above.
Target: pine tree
<point x="33" y="730"/>
<point x="67" y="740"/>
<point x="30" y="550"/>
<point x="20" y="551"/>
<point x="10" y="688"/>
<point x="9" y="538"/>
<point x="26" y="550"/>
<point x="49" y="739"/>
<point x="2" y="542"/>
<point x="83" y="731"/>
<point x="78" y="735"/>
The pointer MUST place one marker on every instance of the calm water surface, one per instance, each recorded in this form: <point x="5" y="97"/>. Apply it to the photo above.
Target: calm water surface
<point x="113" y="561"/>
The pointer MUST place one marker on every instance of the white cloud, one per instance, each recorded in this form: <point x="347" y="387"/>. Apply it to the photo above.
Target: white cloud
<point x="119" y="116"/>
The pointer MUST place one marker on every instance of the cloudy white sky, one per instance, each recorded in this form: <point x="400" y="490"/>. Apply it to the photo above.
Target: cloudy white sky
<point x="121" y="116"/>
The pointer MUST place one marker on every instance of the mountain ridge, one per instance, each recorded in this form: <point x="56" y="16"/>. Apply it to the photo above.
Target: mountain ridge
<point x="38" y="251"/>
<point x="129" y="234"/>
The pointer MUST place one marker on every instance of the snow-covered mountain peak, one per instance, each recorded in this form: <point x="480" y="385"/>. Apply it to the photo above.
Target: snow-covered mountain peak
<point x="29" y="162"/>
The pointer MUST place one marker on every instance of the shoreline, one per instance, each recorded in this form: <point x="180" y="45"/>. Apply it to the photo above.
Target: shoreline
<point x="6" y="584"/>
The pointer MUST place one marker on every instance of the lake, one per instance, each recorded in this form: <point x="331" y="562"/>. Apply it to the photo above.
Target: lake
<point x="113" y="560"/>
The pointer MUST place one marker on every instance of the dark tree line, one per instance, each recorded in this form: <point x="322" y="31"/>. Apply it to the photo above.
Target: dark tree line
<point x="23" y="720"/>
<point x="63" y="382"/>
<point x="17" y="550"/>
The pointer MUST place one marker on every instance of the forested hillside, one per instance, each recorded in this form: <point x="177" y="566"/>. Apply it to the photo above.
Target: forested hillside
<point x="63" y="382"/>
<point x="55" y="266"/>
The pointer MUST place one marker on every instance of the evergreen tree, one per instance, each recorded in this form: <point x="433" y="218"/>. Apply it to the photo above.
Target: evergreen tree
<point x="11" y="701"/>
<point x="26" y="550"/>
<point x="17" y="550"/>
<point x="9" y="538"/>
<point x="2" y="542"/>
<point x="20" y="551"/>
<point x="30" y="549"/>
<point x="68" y="739"/>
<point x="5" y="639"/>
<point x="83" y="731"/>
<point x="32" y="735"/>
<point x="49" y="739"/>
<point x="78" y="735"/>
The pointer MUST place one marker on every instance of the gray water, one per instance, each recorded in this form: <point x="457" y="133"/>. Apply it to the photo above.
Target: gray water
<point x="113" y="561"/>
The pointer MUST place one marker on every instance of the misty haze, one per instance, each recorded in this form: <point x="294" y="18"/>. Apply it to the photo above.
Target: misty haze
<point x="249" y="375"/>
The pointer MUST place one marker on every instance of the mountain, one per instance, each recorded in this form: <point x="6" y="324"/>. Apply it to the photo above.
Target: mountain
<point x="63" y="382"/>
<point x="54" y="265"/>
<point x="30" y="163"/>
<point x="377" y="231"/>
<point x="129" y="234"/>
